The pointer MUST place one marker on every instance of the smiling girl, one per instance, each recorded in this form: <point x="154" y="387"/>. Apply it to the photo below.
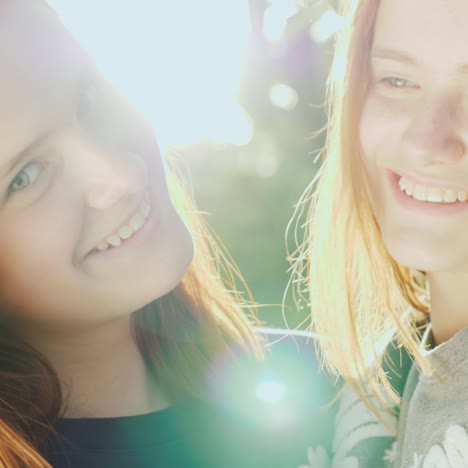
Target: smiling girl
<point x="387" y="231"/>
<point x="109" y="322"/>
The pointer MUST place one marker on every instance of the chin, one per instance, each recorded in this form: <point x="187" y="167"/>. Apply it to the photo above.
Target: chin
<point x="164" y="268"/>
<point x="430" y="260"/>
<point x="176" y="266"/>
<point x="185" y="257"/>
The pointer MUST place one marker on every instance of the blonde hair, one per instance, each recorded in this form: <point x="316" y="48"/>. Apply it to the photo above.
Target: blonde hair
<point x="205" y="318"/>
<point x="360" y="298"/>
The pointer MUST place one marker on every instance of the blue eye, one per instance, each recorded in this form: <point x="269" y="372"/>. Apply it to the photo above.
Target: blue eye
<point x="25" y="177"/>
<point x="401" y="83"/>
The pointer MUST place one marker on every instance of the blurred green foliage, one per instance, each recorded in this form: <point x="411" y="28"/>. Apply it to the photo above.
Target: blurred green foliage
<point x="250" y="192"/>
<point x="250" y="214"/>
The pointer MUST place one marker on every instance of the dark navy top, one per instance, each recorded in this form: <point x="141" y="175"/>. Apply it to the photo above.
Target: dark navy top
<point x="266" y="415"/>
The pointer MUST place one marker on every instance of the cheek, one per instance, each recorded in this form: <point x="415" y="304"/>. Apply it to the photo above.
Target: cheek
<point x="36" y="249"/>
<point x="369" y="137"/>
<point x="383" y="125"/>
<point x="372" y="131"/>
<point x="378" y="141"/>
<point x="382" y="128"/>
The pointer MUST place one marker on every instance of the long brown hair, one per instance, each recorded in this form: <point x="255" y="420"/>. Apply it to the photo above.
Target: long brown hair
<point x="360" y="298"/>
<point x="181" y="336"/>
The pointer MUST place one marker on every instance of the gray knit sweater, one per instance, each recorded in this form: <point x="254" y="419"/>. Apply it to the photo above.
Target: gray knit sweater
<point x="432" y="425"/>
<point x="434" y="415"/>
<point x="360" y="440"/>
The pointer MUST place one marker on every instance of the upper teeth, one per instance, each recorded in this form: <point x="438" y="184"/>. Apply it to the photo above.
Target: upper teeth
<point x="135" y="223"/>
<point x="431" y="194"/>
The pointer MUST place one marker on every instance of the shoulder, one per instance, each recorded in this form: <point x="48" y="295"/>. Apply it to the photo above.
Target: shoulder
<point x="433" y="427"/>
<point x="360" y="438"/>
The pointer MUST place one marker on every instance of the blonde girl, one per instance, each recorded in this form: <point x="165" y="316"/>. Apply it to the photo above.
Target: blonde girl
<point x="385" y="256"/>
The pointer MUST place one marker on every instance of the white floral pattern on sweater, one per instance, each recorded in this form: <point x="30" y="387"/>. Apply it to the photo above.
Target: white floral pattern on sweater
<point x="360" y="439"/>
<point x="453" y="453"/>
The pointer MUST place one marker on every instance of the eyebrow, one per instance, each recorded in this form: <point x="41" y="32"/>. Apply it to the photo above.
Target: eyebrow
<point x="13" y="162"/>
<point x="401" y="56"/>
<point x="393" y="54"/>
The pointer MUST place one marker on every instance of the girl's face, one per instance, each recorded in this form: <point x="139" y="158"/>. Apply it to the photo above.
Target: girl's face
<point x="414" y="132"/>
<point x="77" y="166"/>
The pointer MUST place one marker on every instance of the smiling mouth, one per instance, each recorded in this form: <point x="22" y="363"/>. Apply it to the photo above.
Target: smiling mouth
<point x="428" y="194"/>
<point x="127" y="230"/>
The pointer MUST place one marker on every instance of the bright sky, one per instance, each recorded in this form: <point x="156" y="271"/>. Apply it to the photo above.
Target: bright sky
<point x="179" y="61"/>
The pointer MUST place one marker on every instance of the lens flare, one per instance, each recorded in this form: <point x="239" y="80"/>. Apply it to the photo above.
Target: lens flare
<point x="283" y="96"/>
<point x="271" y="391"/>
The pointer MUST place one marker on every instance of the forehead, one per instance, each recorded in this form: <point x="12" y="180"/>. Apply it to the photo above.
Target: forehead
<point x="431" y="30"/>
<point x="40" y="62"/>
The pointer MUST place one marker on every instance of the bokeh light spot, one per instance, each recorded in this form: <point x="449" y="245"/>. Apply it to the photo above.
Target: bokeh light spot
<point x="283" y="96"/>
<point x="328" y="24"/>
<point x="271" y="391"/>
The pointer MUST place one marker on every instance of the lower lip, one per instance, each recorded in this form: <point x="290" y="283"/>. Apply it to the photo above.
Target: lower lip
<point x="414" y="205"/>
<point x="134" y="241"/>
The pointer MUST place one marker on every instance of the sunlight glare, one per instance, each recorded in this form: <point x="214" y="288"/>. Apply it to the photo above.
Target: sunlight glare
<point x="283" y="96"/>
<point x="328" y="24"/>
<point x="180" y="63"/>
<point x="276" y="17"/>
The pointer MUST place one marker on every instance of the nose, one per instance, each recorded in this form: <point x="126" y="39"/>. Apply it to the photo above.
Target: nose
<point x="437" y="132"/>
<point x="109" y="176"/>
